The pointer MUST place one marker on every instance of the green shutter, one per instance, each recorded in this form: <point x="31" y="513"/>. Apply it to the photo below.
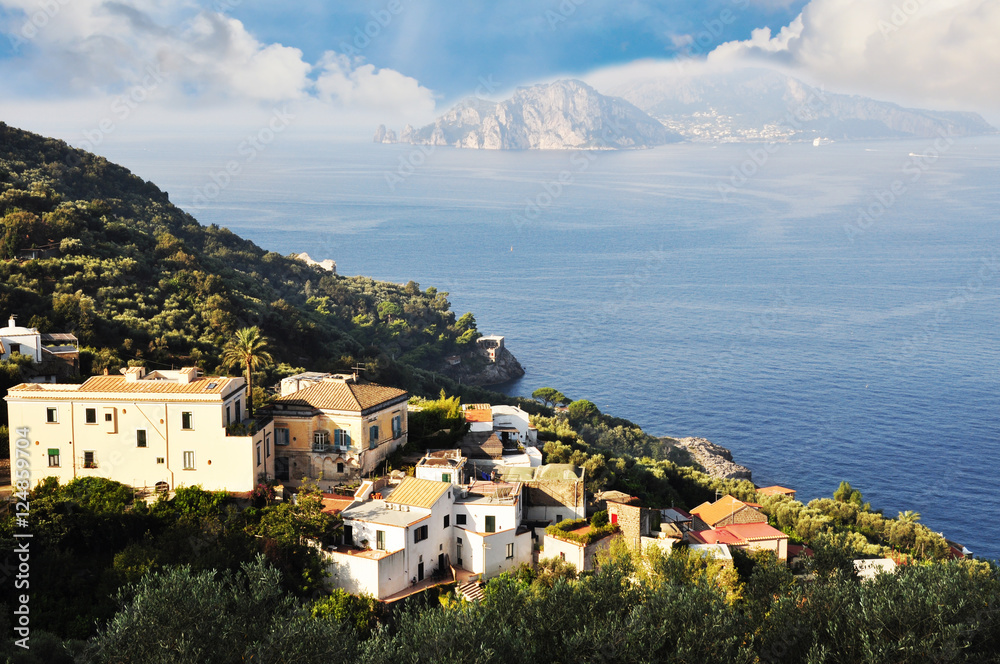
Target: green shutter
<point x="53" y="451"/>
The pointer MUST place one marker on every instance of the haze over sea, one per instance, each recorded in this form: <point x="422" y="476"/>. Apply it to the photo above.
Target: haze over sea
<point x="764" y="318"/>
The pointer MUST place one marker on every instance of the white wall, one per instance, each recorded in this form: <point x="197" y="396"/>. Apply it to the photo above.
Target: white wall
<point x="360" y="574"/>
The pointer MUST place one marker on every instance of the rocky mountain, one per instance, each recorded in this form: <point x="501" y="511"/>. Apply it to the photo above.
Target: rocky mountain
<point x="563" y="115"/>
<point x="756" y="104"/>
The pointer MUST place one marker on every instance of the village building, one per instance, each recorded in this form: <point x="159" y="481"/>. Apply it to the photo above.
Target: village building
<point x="554" y="491"/>
<point x="150" y="430"/>
<point x="728" y="510"/>
<point x="776" y="491"/>
<point x="582" y="555"/>
<point x="334" y="429"/>
<point x="491" y="346"/>
<point x="442" y="466"/>
<point x="53" y="356"/>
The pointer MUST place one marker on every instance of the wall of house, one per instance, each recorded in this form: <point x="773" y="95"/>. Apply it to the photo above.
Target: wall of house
<point x="571" y="552"/>
<point x="30" y="342"/>
<point x="507" y="515"/>
<point x="439" y="539"/>
<point x="777" y="546"/>
<point x="487" y="554"/>
<point x="364" y="533"/>
<point x="221" y="462"/>
<point x="360" y="574"/>
<point x="548" y="500"/>
<point x="436" y="473"/>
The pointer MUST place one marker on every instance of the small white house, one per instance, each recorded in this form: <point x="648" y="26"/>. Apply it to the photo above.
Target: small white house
<point x="442" y="466"/>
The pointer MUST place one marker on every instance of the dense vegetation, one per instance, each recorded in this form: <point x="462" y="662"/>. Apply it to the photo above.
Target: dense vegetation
<point x="651" y="608"/>
<point x="617" y="454"/>
<point x="139" y="280"/>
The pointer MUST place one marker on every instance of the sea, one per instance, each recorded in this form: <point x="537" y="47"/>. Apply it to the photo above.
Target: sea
<point x="826" y="312"/>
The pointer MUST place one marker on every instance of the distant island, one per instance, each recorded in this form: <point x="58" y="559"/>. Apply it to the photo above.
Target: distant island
<point x="748" y="105"/>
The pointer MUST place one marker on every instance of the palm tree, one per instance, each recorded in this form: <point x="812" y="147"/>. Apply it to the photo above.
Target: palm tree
<point x="909" y="516"/>
<point x="247" y="349"/>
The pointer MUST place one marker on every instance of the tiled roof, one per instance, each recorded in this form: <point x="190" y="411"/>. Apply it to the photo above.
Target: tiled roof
<point x="720" y="536"/>
<point x="478" y="415"/>
<point x="719" y="510"/>
<point x="750" y="532"/>
<point x="118" y="384"/>
<point x="558" y="471"/>
<point x="417" y="492"/>
<point x="336" y="395"/>
<point x="775" y="491"/>
<point x="481" y="445"/>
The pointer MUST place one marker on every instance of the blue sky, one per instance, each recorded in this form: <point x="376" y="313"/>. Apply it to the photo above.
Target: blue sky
<point x="451" y="45"/>
<point x="68" y="66"/>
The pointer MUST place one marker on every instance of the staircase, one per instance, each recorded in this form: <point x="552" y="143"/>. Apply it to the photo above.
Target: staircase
<point x="471" y="590"/>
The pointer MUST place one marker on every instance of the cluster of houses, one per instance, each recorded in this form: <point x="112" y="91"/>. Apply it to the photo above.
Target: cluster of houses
<point x="471" y="512"/>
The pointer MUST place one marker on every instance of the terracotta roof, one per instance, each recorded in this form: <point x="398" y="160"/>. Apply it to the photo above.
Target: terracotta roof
<point x="196" y="386"/>
<point x="478" y="415"/>
<point x="720" y="536"/>
<point x="776" y="491"/>
<point x="334" y="504"/>
<point x="721" y="509"/>
<point x="335" y="395"/>
<point x="112" y="384"/>
<point x="750" y="532"/>
<point x="416" y="492"/>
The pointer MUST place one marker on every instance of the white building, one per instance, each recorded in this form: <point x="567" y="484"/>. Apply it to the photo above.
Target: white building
<point x="514" y="422"/>
<point x="489" y="538"/>
<point x="394" y="537"/>
<point x="53" y="356"/>
<point x="160" y="429"/>
<point x="398" y="535"/>
<point x="442" y="466"/>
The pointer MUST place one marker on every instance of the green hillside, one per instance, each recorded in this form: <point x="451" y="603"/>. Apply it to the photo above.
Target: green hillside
<point x="139" y="280"/>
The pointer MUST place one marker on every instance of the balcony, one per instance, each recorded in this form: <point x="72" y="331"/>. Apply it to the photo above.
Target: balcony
<point x="329" y="448"/>
<point x="248" y="426"/>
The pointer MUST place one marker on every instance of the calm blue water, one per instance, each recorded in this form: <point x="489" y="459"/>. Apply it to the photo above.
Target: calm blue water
<point x="766" y="319"/>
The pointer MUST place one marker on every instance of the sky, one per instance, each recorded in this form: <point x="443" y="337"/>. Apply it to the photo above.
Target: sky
<point x="117" y="69"/>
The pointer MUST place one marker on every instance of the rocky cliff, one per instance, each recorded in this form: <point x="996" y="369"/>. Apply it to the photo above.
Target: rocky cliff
<point x="475" y="369"/>
<point x="715" y="459"/>
<point x="555" y="116"/>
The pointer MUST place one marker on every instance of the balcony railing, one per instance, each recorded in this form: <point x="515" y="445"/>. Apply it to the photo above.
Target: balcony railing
<point x="329" y="447"/>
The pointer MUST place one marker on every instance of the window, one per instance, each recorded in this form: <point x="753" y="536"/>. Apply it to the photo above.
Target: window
<point x="510" y="551"/>
<point x="109" y="417"/>
<point x="258" y="455"/>
<point x="562" y="556"/>
<point x="380" y="540"/>
<point x="340" y="468"/>
<point x="420" y="534"/>
<point x="559" y="518"/>
<point x="15" y="348"/>
<point x="239" y="412"/>
<point x="446" y="477"/>
<point x="320" y="440"/>
<point x="281" y="468"/>
<point x="189" y="460"/>
<point x="90" y="415"/>
<point x="491" y="524"/>
<point x="459" y="519"/>
<point x="267" y="445"/>
<point x="229" y="416"/>
<point x="373" y="436"/>
<point x="397" y="426"/>
<point x="51" y="415"/>
<point x="447" y="520"/>
<point x="89" y="459"/>
<point x="281" y="436"/>
<point x="614" y="518"/>
<point x="187" y="420"/>
<point x="53" y="457"/>
<point x="342" y="438"/>
<point x="160" y="460"/>
<point x="140" y="437"/>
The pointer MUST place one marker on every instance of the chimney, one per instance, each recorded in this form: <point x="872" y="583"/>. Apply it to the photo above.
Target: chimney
<point x="134" y="374"/>
<point x="12" y="322"/>
<point x="187" y="375"/>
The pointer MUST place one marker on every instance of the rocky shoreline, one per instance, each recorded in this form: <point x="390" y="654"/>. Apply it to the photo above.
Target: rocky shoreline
<point x="475" y="370"/>
<point x="715" y="459"/>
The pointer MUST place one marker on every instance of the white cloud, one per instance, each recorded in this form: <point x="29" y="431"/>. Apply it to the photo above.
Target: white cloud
<point x="361" y="86"/>
<point x="201" y="58"/>
<point x="936" y="53"/>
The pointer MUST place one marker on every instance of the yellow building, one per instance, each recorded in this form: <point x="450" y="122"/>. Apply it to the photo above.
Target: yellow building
<point x="161" y="429"/>
<point x="334" y="429"/>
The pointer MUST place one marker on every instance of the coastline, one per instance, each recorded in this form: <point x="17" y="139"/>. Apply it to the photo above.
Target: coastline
<point x="717" y="461"/>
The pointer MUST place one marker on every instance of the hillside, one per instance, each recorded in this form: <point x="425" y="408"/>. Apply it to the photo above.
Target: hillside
<point x="556" y="116"/>
<point x="139" y="280"/>
<point x="756" y="104"/>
